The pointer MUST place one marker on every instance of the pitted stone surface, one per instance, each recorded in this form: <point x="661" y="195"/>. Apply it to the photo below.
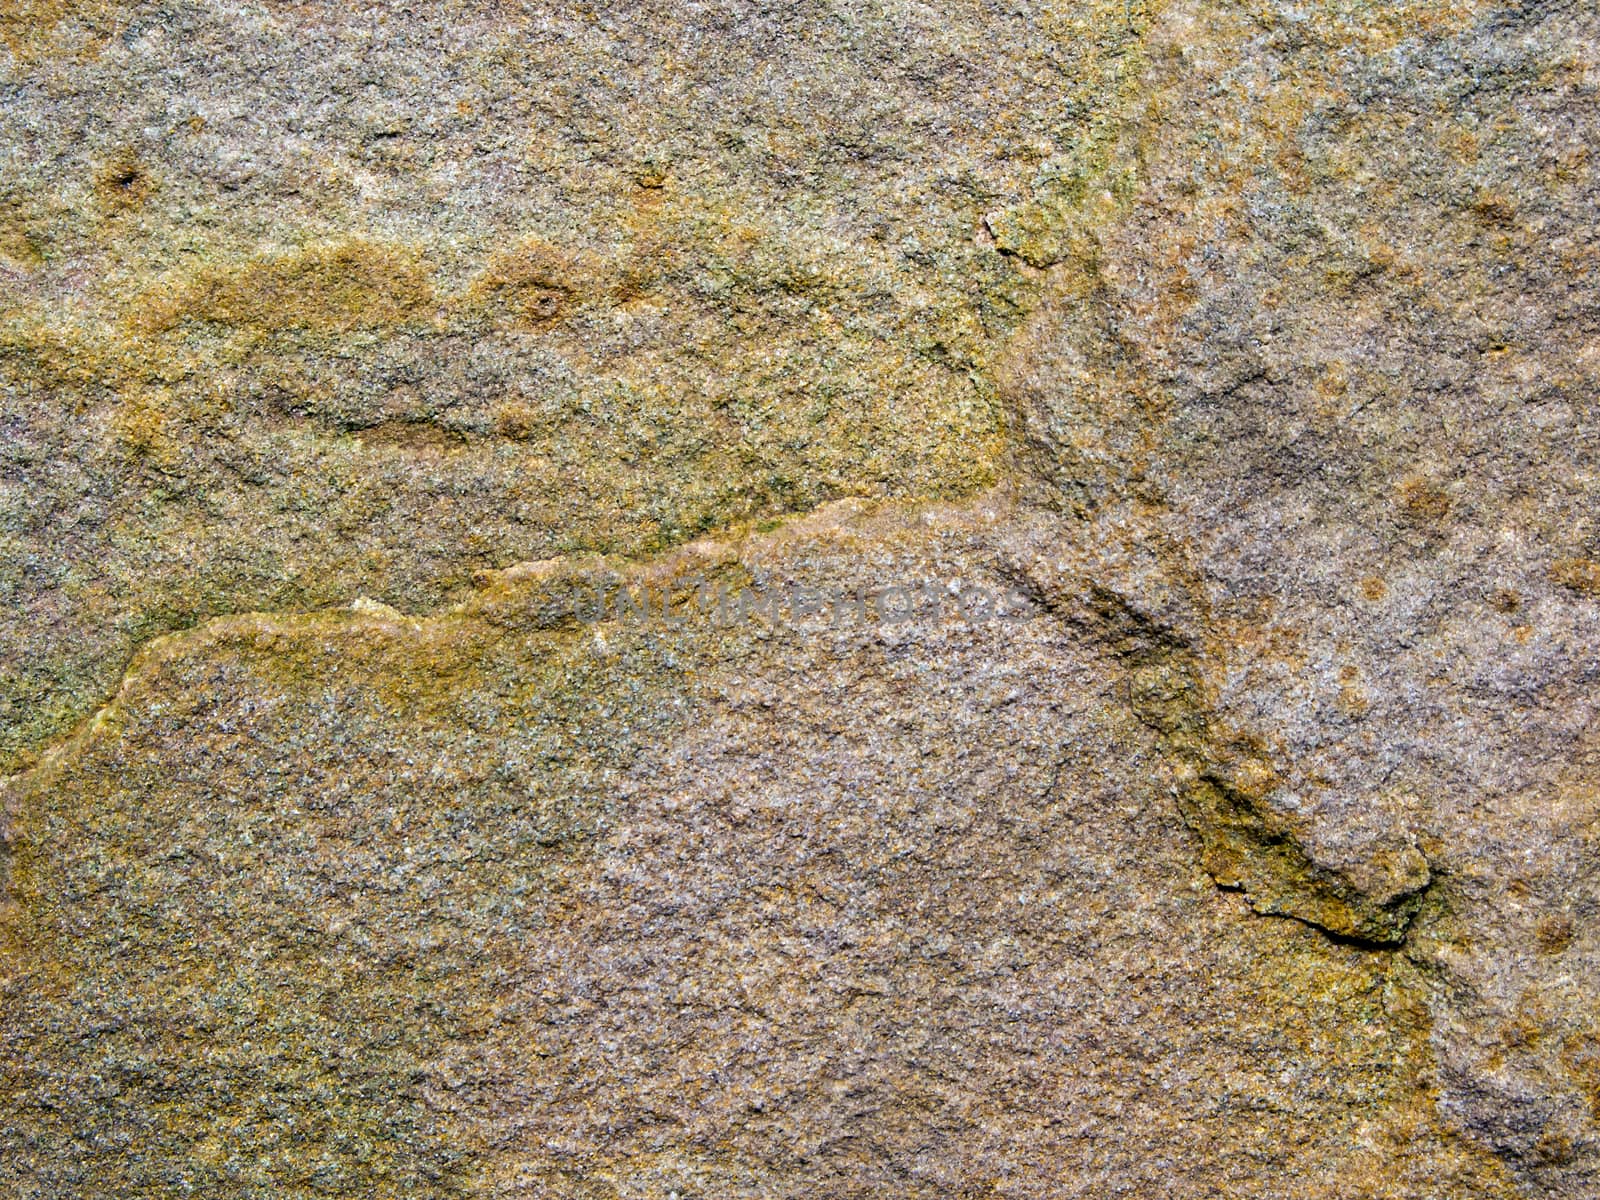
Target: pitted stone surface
<point x="1242" y="358"/>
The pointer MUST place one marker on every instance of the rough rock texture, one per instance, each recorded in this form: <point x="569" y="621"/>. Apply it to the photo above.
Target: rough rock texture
<point x="307" y="301"/>
<point x="1368" y="354"/>
<point x="1247" y="353"/>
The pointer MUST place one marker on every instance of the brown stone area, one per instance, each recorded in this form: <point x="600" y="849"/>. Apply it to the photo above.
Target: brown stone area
<point x="1250" y="848"/>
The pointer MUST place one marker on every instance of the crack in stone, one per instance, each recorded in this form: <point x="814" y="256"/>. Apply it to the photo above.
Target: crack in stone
<point x="1226" y="778"/>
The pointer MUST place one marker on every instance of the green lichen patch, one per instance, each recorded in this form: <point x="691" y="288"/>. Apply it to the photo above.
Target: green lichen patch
<point x="326" y="288"/>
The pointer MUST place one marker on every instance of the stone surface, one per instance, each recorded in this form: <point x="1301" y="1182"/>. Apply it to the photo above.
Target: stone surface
<point x="1165" y="431"/>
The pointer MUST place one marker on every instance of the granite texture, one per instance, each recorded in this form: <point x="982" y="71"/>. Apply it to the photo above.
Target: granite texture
<point x="1150" y="452"/>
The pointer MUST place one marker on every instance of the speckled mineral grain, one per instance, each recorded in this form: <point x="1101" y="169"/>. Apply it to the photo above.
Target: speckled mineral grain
<point x="806" y="600"/>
